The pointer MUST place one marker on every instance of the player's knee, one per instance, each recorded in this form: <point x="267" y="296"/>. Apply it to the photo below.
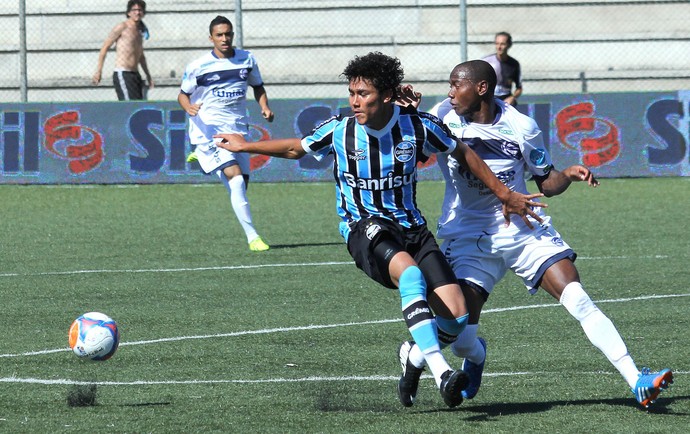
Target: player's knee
<point x="577" y="301"/>
<point x="450" y="329"/>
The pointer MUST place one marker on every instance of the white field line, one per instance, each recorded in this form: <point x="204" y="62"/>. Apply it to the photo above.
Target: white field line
<point x="270" y="380"/>
<point x="61" y="382"/>
<point x="247" y="267"/>
<point x="329" y="326"/>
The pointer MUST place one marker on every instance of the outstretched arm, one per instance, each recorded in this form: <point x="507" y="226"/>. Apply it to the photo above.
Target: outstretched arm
<point x="557" y="182"/>
<point x="282" y="148"/>
<point x="513" y="202"/>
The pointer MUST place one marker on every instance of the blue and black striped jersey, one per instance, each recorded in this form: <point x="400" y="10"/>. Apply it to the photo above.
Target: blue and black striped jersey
<point x="376" y="170"/>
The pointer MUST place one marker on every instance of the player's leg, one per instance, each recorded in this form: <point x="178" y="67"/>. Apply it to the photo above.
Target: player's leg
<point x="447" y="302"/>
<point x="562" y="281"/>
<point x="424" y="328"/>
<point x="469" y="345"/>
<point x="234" y="181"/>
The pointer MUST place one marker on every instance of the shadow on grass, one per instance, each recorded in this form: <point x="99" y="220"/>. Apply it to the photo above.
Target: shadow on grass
<point x="485" y="412"/>
<point x="146" y="404"/>
<point x="289" y="246"/>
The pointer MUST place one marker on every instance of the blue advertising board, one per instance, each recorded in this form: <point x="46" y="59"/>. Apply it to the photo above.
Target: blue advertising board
<point x="616" y="135"/>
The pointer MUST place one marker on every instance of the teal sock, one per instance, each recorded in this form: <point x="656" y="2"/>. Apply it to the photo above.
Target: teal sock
<point x="416" y="311"/>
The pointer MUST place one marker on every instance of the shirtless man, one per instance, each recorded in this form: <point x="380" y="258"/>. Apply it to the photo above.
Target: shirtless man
<point x="128" y="37"/>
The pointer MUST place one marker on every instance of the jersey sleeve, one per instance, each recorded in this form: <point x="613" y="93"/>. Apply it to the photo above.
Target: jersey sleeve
<point x="189" y="80"/>
<point x="534" y="153"/>
<point x="439" y="138"/>
<point x="319" y="143"/>
<point x="254" y="79"/>
<point x="536" y="156"/>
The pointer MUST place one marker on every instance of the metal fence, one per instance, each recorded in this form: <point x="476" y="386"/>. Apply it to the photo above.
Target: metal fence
<point x="51" y="46"/>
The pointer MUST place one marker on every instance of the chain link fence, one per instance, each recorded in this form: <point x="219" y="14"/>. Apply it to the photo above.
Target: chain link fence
<point x="303" y="46"/>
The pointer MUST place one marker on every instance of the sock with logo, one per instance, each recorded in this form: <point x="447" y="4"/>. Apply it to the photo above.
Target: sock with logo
<point x="420" y="320"/>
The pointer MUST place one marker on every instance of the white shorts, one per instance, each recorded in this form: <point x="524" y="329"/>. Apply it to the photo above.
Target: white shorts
<point x="211" y="158"/>
<point x="482" y="259"/>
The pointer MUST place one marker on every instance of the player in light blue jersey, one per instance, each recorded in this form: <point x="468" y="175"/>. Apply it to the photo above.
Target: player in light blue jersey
<point x="481" y="248"/>
<point x="376" y="154"/>
<point x="214" y="94"/>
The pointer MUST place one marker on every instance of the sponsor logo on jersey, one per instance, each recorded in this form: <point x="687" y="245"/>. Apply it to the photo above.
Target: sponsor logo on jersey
<point x="510" y="148"/>
<point x="221" y="93"/>
<point x="504" y="176"/>
<point x="506" y="131"/>
<point x="537" y="157"/>
<point x="454" y="125"/>
<point x="557" y="241"/>
<point x="404" y="151"/>
<point x="376" y="184"/>
<point x="372" y="230"/>
<point x="214" y="77"/>
<point x="244" y="73"/>
<point x="358" y="155"/>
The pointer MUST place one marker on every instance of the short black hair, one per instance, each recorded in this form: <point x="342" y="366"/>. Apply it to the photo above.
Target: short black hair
<point x="476" y="71"/>
<point x="132" y="3"/>
<point x="217" y="21"/>
<point x="384" y="72"/>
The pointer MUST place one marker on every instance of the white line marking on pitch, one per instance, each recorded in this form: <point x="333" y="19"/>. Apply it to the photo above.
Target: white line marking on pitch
<point x="247" y="267"/>
<point x="62" y="382"/>
<point x="175" y="270"/>
<point x="329" y="326"/>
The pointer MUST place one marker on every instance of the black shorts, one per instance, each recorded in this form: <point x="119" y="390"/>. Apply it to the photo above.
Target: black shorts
<point x="128" y="85"/>
<point x="418" y="242"/>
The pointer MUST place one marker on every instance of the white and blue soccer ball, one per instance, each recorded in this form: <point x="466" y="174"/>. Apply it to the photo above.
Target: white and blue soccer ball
<point x="94" y="336"/>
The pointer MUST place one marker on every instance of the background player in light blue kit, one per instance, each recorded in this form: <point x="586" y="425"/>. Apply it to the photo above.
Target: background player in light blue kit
<point x="375" y="168"/>
<point x="214" y="94"/>
<point x="481" y="248"/>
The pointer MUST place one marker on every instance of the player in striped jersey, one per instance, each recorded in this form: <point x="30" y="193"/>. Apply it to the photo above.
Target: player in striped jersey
<point x="214" y="95"/>
<point x="481" y="249"/>
<point x="376" y="154"/>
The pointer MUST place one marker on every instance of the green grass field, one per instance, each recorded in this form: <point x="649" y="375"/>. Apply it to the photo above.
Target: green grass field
<point x="219" y="339"/>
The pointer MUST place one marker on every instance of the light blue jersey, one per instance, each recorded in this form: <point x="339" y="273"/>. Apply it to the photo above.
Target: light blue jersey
<point x="376" y="170"/>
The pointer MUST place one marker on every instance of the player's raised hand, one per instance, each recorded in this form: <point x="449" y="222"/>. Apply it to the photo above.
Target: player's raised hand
<point x="522" y="205"/>
<point x="578" y="172"/>
<point x="231" y="142"/>
<point x="406" y="95"/>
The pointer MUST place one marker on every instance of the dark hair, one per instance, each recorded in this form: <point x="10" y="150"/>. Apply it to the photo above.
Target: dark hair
<point x="384" y="72"/>
<point x="217" y="21"/>
<point x="132" y="3"/>
<point x="507" y="35"/>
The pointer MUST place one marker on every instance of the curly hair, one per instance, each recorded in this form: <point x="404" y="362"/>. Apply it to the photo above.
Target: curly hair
<point x="384" y="72"/>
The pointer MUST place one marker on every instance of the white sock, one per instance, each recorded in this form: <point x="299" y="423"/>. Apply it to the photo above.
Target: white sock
<point x="600" y="330"/>
<point x="437" y="364"/>
<point x="416" y="357"/>
<point x="237" y="190"/>
<point x="468" y="346"/>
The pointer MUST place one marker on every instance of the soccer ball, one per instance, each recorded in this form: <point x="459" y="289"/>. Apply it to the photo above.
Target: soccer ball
<point x="94" y="336"/>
